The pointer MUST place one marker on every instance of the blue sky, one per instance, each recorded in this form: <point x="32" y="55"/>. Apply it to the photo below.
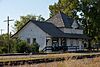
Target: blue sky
<point x="17" y="8"/>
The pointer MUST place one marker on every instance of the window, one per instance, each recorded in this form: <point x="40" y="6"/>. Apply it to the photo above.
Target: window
<point x="34" y="40"/>
<point x="28" y="40"/>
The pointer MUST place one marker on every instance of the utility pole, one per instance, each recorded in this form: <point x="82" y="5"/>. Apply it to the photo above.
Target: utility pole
<point x="8" y="31"/>
<point x="1" y="31"/>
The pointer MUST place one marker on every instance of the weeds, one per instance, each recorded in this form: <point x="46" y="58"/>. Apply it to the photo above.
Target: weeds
<point x="69" y="61"/>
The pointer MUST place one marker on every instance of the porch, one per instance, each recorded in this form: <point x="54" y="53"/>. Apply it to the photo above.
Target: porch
<point x="63" y="44"/>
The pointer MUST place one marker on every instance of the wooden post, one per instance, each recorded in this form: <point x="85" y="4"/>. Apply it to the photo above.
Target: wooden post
<point x="8" y="31"/>
<point x="1" y="31"/>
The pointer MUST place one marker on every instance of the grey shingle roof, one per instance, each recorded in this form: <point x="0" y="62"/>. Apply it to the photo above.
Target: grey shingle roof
<point x="49" y="28"/>
<point x="62" y="20"/>
<point x="53" y="31"/>
<point x="80" y="36"/>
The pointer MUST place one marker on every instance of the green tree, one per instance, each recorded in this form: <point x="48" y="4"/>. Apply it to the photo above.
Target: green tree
<point x="90" y="12"/>
<point x="40" y="18"/>
<point x="66" y="6"/>
<point x="24" y="19"/>
<point x="4" y="44"/>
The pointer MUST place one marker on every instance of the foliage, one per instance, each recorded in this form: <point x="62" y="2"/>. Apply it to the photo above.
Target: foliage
<point x="40" y="18"/>
<point x="24" y="19"/>
<point x="16" y="45"/>
<point x="90" y="12"/>
<point x="66" y="6"/>
<point x="35" y="47"/>
<point x="4" y="43"/>
<point x="23" y="47"/>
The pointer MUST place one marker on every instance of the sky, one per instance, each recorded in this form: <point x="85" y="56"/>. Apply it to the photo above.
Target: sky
<point x="16" y="8"/>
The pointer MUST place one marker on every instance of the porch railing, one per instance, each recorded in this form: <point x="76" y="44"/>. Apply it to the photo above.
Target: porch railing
<point x="48" y="48"/>
<point x="58" y="48"/>
<point x="55" y="48"/>
<point x="73" y="48"/>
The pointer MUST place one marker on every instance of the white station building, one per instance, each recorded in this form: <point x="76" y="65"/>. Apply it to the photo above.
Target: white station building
<point x="59" y="32"/>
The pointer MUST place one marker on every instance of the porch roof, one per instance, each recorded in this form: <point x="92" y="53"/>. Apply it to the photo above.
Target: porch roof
<point x="80" y="36"/>
<point x="73" y="36"/>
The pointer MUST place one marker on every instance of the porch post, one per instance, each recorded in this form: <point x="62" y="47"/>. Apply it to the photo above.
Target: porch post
<point x="66" y="41"/>
<point x="80" y="45"/>
<point x="48" y="44"/>
<point x="59" y="41"/>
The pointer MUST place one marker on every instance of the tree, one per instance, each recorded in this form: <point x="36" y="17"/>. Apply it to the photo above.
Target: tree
<point x="4" y="44"/>
<point x="66" y="6"/>
<point x="24" y="19"/>
<point x="90" y="12"/>
<point x="40" y="18"/>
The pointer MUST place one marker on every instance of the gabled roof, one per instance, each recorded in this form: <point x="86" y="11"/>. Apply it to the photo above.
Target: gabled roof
<point x="53" y="31"/>
<point x="49" y="28"/>
<point x="62" y="20"/>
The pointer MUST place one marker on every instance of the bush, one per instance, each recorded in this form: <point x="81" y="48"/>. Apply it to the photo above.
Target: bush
<point x="23" y="47"/>
<point x="16" y="45"/>
<point x="35" y="47"/>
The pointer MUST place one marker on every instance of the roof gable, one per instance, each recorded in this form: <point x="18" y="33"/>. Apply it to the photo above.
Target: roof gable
<point x="56" y="20"/>
<point x="62" y="20"/>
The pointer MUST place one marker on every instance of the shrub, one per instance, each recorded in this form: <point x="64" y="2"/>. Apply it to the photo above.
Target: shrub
<point x="16" y="45"/>
<point x="23" y="47"/>
<point x="35" y="47"/>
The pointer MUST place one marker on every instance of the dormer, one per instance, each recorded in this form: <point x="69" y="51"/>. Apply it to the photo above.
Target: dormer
<point x="62" y="20"/>
<point x="66" y="23"/>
